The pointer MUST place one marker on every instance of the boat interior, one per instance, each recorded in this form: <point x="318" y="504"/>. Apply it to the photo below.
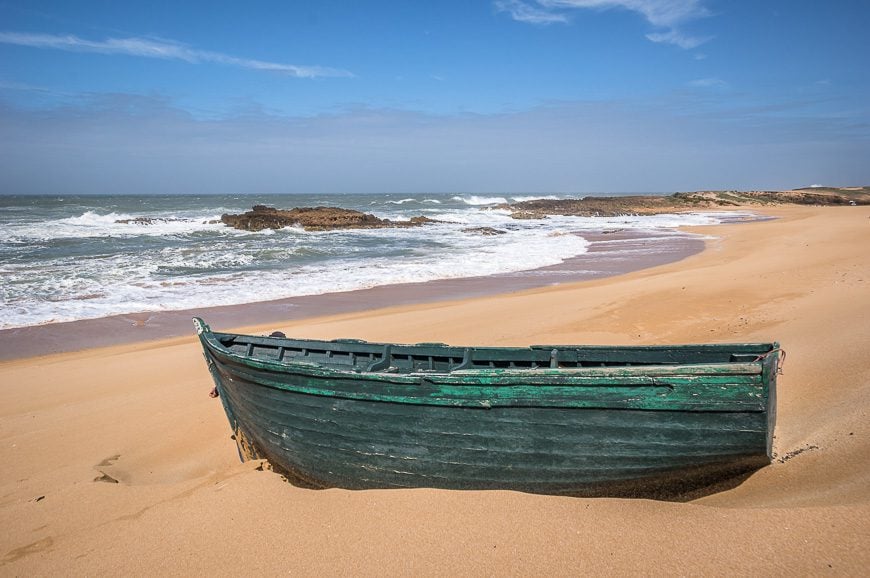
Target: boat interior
<point x="362" y="356"/>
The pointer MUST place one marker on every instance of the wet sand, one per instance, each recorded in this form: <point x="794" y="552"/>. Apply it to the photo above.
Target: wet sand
<point x="116" y="461"/>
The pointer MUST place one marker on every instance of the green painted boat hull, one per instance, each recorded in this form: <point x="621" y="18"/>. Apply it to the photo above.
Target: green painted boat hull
<point x="556" y="420"/>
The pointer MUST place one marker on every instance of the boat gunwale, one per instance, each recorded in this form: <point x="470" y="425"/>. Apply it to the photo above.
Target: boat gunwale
<point x="342" y="345"/>
<point x="651" y="370"/>
<point x="455" y="376"/>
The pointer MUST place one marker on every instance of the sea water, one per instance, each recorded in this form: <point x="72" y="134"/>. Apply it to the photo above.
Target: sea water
<point x="64" y="258"/>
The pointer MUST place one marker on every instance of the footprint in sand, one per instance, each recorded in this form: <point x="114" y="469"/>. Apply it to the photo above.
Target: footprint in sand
<point x="104" y="477"/>
<point x="157" y="465"/>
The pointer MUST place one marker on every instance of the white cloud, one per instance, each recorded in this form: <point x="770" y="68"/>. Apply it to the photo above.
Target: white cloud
<point x="677" y="38"/>
<point x="663" y="14"/>
<point x="157" y="48"/>
<point x="522" y="12"/>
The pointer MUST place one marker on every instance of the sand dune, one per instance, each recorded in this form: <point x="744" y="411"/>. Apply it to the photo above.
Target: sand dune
<point x="116" y="460"/>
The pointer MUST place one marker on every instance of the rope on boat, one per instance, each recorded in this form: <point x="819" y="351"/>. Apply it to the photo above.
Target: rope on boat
<point x="780" y="362"/>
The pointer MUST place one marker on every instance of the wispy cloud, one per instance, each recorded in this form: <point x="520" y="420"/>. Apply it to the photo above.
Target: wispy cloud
<point x="677" y="38"/>
<point x="662" y="13"/>
<point x="20" y="86"/>
<point x="159" y="48"/>
<point x="522" y="12"/>
<point x="667" y="15"/>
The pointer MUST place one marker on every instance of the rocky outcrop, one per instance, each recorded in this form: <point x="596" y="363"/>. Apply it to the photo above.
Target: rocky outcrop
<point x="485" y="231"/>
<point x="657" y="204"/>
<point x="313" y="219"/>
<point x="592" y="206"/>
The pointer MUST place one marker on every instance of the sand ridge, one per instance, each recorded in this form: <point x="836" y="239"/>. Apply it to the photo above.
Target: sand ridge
<point x="115" y="459"/>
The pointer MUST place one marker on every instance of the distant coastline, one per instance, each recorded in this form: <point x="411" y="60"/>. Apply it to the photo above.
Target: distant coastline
<point x="605" y="206"/>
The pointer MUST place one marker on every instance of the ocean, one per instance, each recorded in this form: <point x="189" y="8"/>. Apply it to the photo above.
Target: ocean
<point x="66" y="258"/>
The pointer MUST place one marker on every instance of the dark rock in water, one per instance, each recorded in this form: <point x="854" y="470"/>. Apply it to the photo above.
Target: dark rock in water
<point x="484" y="231"/>
<point x="317" y="218"/>
<point x="313" y="219"/>
<point x="423" y="220"/>
<point x="528" y="215"/>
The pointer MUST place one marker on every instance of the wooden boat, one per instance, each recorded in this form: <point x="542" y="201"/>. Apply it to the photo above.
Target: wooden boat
<point x="580" y="420"/>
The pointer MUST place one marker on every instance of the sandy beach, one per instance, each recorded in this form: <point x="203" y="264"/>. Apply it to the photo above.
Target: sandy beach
<point x="117" y="461"/>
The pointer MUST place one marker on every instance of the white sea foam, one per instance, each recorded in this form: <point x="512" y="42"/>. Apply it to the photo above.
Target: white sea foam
<point x="476" y="200"/>
<point x="132" y="283"/>
<point x="94" y="225"/>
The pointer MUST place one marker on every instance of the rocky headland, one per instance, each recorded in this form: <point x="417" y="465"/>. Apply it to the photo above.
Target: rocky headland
<point x="700" y="200"/>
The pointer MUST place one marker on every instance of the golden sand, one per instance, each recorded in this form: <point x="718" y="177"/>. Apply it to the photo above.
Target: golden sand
<point x="115" y="460"/>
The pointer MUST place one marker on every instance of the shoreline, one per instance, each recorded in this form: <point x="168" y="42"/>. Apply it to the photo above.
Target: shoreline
<point x="609" y="254"/>
<point x="117" y="461"/>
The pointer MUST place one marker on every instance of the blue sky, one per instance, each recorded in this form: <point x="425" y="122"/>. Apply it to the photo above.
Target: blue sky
<point x="447" y="96"/>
